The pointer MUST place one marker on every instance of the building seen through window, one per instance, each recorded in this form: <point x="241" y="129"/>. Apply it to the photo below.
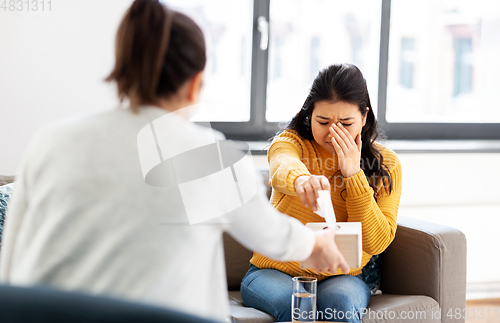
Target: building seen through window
<point x="436" y="61"/>
<point x="443" y="61"/>
<point x="227" y="26"/>
<point x="307" y="36"/>
<point x="407" y="62"/>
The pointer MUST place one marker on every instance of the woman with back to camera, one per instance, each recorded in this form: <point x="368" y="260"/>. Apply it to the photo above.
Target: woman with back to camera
<point x="330" y="145"/>
<point x="82" y="216"/>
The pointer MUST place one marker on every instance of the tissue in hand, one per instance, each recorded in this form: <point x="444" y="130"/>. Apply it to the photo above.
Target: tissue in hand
<point x="325" y="208"/>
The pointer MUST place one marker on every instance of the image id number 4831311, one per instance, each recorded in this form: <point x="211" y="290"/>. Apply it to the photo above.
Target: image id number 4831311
<point x="26" y="5"/>
<point x="476" y="313"/>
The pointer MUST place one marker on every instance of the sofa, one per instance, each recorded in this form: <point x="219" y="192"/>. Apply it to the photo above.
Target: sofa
<point x="43" y="304"/>
<point x="423" y="275"/>
<point x="423" y="279"/>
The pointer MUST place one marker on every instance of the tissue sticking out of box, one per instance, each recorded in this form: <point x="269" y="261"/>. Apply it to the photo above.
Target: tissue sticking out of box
<point x="325" y="208"/>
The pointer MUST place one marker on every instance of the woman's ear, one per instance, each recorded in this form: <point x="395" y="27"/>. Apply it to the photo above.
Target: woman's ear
<point x="194" y="88"/>
<point x="364" y="118"/>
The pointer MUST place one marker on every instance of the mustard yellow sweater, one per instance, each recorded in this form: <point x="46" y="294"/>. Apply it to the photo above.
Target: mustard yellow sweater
<point x="291" y="156"/>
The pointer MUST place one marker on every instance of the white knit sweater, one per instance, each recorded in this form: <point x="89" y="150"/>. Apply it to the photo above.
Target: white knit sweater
<point x="82" y="217"/>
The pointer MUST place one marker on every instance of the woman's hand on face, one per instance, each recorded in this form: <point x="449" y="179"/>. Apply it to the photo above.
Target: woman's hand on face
<point x="307" y="188"/>
<point x="347" y="149"/>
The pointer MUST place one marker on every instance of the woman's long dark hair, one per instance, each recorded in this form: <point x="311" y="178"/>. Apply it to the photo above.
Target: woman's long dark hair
<point x="345" y="83"/>
<point x="157" y="49"/>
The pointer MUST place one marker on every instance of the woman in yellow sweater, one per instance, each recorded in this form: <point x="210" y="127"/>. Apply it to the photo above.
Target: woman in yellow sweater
<point x="330" y="145"/>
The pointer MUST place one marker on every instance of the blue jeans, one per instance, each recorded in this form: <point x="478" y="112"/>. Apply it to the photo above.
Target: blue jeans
<point x="339" y="298"/>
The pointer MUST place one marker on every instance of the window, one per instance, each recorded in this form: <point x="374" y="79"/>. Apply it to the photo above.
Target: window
<point x="430" y="65"/>
<point x="308" y="35"/>
<point x="407" y="62"/>
<point x="315" y="67"/>
<point x="442" y="70"/>
<point x="462" y="72"/>
<point x="227" y="26"/>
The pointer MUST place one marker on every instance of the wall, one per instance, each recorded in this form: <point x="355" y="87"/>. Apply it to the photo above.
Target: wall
<point x="459" y="190"/>
<point x="52" y="65"/>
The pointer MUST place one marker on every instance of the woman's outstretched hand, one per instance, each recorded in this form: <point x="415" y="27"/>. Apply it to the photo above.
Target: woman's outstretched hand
<point x="325" y="256"/>
<point x="347" y="149"/>
<point x="307" y="188"/>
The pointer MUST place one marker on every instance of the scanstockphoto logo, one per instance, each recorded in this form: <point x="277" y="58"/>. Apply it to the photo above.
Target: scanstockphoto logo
<point x="214" y="176"/>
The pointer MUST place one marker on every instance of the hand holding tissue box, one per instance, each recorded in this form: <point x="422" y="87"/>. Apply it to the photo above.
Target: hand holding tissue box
<point x="347" y="234"/>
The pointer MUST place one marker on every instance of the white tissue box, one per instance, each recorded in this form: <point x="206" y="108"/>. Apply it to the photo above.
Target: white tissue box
<point x="347" y="238"/>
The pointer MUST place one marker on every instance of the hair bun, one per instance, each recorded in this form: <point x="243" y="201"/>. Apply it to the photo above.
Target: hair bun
<point x="157" y="50"/>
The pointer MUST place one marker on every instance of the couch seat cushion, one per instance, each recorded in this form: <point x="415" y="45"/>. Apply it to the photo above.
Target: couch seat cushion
<point x="240" y="313"/>
<point x="414" y="308"/>
<point x="5" y="193"/>
<point x="382" y="308"/>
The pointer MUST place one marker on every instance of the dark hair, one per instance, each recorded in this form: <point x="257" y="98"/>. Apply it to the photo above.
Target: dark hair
<point x="345" y="83"/>
<point x="157" y="50"/>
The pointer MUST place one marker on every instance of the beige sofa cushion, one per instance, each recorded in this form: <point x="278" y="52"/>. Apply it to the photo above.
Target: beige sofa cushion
<point x="6" y="179"/>
<point x="237" y="261"/>
<point x="382" y="308"/>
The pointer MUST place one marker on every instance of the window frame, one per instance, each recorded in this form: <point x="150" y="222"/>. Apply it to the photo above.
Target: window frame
<point x="258" y="128"/>
<point x="420" y="131"/>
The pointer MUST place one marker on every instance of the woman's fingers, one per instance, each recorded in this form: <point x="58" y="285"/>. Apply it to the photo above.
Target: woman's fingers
<point x="325" y="184"/>
<point x="346" y="135"/>
<point x="348" y="150"/>
<point x="316" y="184"/>
<point x="338" y="150"/>
<point x="335" y="144"/>
<point x="311" y="196"/>
<point x="301" y="192"/>
<point x="307" y="188"/>
<point x="339" y="141"/>
<point x="358" y="142"/>
<point x="299" y="188"/>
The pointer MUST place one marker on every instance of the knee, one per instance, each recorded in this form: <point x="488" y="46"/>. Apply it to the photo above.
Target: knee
<point x="261" y="291"/>
<point x="339" y="302"/>
<point x="283" y="313"/>
<point x="346" y="302"/>
<point x="279" y="307"/>
<point x="344" y="307"/>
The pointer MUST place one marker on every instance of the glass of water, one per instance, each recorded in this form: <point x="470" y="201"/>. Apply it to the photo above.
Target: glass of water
<point x="304" y="299"/>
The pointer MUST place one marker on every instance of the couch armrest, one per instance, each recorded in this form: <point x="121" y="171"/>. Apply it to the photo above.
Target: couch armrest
<point x="427" y="259"/>
<point x="6" y="180"/>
